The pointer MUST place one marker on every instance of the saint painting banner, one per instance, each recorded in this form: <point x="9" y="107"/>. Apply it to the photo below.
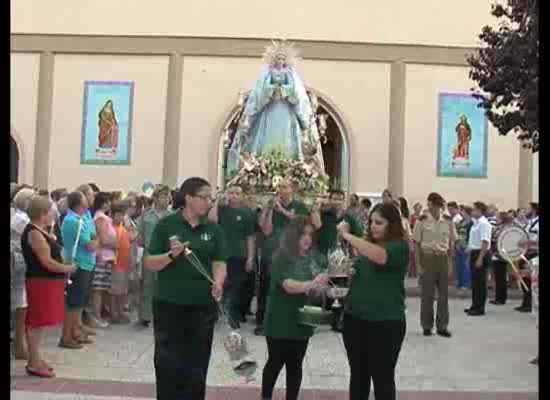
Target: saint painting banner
<point x="462" y="145"/>
<point x="107" y="123"/>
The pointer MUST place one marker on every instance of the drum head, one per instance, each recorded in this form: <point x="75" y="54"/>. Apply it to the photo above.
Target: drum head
<point x="508" y="242"/>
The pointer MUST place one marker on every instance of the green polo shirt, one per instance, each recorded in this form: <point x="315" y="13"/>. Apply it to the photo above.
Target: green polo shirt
<point x="180" y="282"/>
<point x="280" y="222"/>
<point x="377" y="293"/>
<point x="327" y="235"/>
<point x="238" y="224"/>
<point x="281" y="316"/>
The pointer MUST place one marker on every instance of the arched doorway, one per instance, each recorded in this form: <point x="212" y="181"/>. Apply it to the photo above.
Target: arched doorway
<point x="14" y="161"/>
<point x="336" y="152"/>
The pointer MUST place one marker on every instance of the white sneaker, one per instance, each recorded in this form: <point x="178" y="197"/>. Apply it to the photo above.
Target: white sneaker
<point x="98" y="323"/>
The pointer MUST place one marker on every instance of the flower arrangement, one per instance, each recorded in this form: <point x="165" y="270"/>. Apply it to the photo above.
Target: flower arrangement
<point x="264" y="174"/>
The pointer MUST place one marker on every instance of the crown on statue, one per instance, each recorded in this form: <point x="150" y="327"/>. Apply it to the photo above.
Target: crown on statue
<point x="280" y="47"/>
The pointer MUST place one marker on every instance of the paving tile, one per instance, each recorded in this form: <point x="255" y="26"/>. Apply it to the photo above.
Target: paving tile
<point x="488" y="354"/>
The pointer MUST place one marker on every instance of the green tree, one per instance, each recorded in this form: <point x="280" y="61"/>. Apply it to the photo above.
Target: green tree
<point x="506" y="70"/>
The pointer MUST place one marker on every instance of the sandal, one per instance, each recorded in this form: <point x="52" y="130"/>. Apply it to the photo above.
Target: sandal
<point x="41" y="372"/>
<point x="84" y="339"/>
<point x="74" y="345"/>
<point x="88" y="331"/>
<point x="46" y="365"/>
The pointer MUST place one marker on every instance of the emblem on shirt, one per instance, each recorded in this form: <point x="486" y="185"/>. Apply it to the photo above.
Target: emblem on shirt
<point x="205" y="237"/>
<point x="239" y="218"/>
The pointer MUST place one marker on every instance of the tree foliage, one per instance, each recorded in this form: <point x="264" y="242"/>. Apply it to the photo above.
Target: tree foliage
<point x="506" y="70"/>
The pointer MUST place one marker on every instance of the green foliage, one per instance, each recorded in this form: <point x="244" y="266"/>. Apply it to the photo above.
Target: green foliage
<point x="506" y="70"/>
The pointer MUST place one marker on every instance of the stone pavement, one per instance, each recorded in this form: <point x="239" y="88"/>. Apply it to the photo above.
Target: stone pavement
<point x="487" y="358"/>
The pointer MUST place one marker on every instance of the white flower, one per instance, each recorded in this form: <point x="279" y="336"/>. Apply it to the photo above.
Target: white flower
<point x="276" y="181"/>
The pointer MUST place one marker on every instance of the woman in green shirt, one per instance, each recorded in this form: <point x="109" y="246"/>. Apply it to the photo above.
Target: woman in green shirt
<point x="374" y="321"/>
<point x="295" y="274"/>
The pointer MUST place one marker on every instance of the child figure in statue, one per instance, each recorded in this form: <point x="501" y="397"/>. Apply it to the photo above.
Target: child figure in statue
<point x="278" y="113"/>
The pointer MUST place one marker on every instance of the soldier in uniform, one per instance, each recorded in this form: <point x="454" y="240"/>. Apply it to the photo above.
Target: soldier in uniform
<point x="434" y="237"/>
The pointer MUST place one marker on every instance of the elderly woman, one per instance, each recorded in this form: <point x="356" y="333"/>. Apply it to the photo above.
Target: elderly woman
<point x="374" y="321"/>
<point x="19" y="221"/>
<point x="45" y="281"/>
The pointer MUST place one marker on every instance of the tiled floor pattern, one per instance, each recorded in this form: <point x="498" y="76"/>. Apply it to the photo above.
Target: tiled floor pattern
<point x="61" y="389"/>
<point x="487" y="358"/>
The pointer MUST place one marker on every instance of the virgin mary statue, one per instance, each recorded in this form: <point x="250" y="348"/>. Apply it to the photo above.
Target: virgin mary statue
<point x="278" y="113"/>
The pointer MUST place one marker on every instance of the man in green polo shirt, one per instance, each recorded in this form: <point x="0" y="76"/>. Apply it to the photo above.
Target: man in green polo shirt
<point x="325" y="218"/>
<point x="238" y="224"/>
<point x="273" y="221"/>
<point x="184" y="303"/>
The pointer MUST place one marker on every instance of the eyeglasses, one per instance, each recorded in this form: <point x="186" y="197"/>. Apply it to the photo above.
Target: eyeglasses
<point x="205" y="197"/>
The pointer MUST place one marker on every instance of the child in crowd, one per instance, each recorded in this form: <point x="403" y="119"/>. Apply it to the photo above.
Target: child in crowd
<point x="133" y="211"/>
<point x="121" y="267"/>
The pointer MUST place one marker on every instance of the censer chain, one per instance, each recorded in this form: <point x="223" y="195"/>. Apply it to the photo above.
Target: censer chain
<point x="195" y="262"/>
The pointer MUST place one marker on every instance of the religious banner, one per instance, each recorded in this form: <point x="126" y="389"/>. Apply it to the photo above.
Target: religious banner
<point x="462" y="144"/>
<point x="107" y="123"/>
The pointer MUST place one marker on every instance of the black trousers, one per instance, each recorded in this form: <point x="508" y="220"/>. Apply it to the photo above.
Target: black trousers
<point x="527" y="300"/>
<point x="264" y="275"/>
<point x="183" y="343"/>
<point x="373" y="348"/>
<point x="247" y="292"/>
<point x="290" y="354"/>
<point x="479" y="281"/>
<point x="500" y="268"/>
<point x="233" y="286"/>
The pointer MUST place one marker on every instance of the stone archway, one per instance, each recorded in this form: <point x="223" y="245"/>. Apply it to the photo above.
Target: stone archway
<point x="17" y="158"/>
<point x="336" y="150"/>
<point x="14" y="161"/>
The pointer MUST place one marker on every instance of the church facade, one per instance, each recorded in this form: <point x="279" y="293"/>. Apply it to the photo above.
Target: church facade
<point x="378" y="70"/>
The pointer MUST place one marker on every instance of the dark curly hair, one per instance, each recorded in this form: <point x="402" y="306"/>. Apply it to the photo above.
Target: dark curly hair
<point x="390" y="213"/>
<point x="289" y="245"/>
<point x="101" y="199"/>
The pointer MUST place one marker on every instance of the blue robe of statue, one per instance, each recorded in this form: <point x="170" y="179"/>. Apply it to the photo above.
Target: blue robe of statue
<point x="278" y="109"/>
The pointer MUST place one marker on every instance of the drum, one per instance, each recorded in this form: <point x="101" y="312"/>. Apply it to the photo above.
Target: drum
<point x="508" y="242"/>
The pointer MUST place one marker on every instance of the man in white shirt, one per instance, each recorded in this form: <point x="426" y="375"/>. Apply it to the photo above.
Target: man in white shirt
<point x="479" y="245"/>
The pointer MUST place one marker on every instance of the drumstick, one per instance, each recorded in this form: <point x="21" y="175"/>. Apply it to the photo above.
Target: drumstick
<point x="520" y="280"/>
<point x="79" y="231"/>
<point x="75" y="247"/>
<point x="525" y="259"/>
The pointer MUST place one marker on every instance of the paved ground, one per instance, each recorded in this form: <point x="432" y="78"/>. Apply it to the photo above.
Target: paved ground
<point x="487" y="358"/>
